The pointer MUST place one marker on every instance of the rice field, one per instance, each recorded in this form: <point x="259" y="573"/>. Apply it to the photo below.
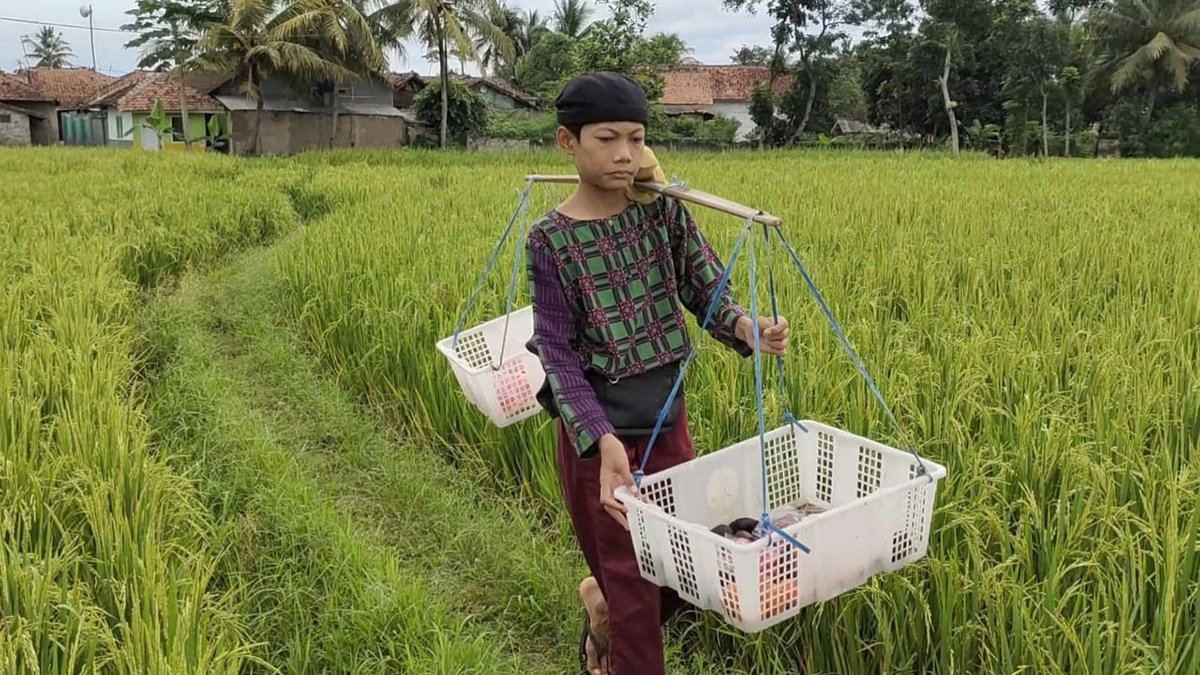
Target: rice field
<point x="1035" y="327"/>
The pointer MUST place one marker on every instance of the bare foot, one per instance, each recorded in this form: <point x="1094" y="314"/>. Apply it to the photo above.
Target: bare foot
<point x="597" y="610"/>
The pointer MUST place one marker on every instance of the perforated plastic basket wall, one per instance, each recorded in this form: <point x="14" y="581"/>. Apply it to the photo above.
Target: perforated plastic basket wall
<point x="497" y="374"/>
<point x="876" y="518"/>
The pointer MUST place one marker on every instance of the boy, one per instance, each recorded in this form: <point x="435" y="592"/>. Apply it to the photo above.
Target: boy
<point x="612" y="269"/>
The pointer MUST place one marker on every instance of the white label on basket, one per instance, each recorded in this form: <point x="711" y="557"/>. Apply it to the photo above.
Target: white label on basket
<point x="723" y="492"/>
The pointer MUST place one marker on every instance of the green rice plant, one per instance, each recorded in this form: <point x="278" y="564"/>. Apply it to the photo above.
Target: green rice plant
<point x="1034" y="325"/>
<point x="106" y="555"/>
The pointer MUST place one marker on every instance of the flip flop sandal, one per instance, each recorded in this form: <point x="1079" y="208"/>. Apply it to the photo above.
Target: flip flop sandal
<point x="601" y="648"/>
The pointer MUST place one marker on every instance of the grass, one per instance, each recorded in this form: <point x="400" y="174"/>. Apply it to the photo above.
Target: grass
<point x="106" y="555"/>
<point x="361" y="553"/>
<point x="1035" y="326"/>
<point x="262" y="464"/>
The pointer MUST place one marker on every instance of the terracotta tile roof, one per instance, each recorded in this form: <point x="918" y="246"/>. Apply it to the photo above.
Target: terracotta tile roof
<point x="401" y="80"/>
<point x="14" y="88"/>
<point x="696" y="85"/>
<point x="69" y="87"/>
<point x="137" y="92"/>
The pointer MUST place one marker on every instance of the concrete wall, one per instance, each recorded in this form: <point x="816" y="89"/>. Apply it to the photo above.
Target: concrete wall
<point x="14" y="128"/>
<point x="288" y="133"/>
<point x="495" y="98"/>
<point x="43" y="132"/>
<point x="498" y="144"/>
<point x="737" y="111"/>
<point x="119" y="128"/>
<point x="143" y="132"/>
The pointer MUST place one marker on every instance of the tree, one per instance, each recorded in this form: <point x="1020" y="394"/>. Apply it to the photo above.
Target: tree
<point x="340" y="33"/>
<point x="572" y="17"/>
<point x="793" y="19"/>
<point x="1037" y="48"/>
<point x="446" y="24"/>
<point x="252" y="44"/>
<point x="752" y="56"/>
<point x="169" y="31"/>
<point x="390" y="22"/>
<point x="1148" y="44"/>
<point x="468" y="111"/>
<point x="618" y="44"/>
<point x="548" y="65"/>
<point x="49" y="47"/>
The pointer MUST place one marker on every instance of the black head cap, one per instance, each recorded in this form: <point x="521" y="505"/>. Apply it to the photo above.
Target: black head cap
<point x="601" y="97"/>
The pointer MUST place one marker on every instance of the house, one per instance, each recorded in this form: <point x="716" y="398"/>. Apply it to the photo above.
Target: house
<point x="498" y="93"/>
<point x="707" y="90"/>
<point x="295" y="119"/>
<point x="849" y="127"/>
<point x="39" y="110"/>
<point x="16" y="125"/>
<point x="126" y="104"/>
<point x="405" y="87"/>
<point x="70" y="89"/>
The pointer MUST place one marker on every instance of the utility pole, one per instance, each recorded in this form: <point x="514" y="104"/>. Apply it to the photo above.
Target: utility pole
<point x="86" y="12"/>
<point x="181" y="65"/>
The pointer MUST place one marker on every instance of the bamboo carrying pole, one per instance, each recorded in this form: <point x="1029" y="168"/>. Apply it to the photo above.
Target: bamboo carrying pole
<point x="687" y="194"/>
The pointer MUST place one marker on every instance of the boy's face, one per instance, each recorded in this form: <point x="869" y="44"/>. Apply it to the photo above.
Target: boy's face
<point x="606" y="154"/>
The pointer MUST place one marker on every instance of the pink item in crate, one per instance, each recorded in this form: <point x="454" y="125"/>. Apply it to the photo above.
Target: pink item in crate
<point x="512" y="388"/>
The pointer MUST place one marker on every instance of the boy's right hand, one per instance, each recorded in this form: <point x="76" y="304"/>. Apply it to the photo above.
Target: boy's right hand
<point x="614" y="472"/>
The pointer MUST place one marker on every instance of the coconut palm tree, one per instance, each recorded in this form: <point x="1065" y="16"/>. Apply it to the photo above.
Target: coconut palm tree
<point x="253" y="43"/>
<point x="523" y="29"/>
<point x="390" y="21"/>
<point x="49" y="47"/>
<point x="341" y="33"/>
<point x="448" y="27"/>
<point x="572" y="17"/>
<point x="508" y="20"/>
<point x="1150" y="43"/>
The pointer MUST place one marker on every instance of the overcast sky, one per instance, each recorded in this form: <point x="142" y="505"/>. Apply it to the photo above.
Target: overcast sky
<point x="712" y="33"/>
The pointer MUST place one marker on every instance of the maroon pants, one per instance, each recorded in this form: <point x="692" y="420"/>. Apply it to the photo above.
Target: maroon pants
<point x="637" y="608"/>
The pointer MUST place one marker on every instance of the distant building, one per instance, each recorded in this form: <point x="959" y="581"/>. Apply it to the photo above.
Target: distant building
<point x="704" y="91"/>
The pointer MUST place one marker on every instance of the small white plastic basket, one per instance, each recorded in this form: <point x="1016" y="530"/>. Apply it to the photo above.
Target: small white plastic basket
<point x="496" y="372"/>
<point x="875" y="514"/>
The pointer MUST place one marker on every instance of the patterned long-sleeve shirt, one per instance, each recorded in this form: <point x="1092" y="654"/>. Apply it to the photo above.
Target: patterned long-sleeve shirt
<point x="607" y="296"/>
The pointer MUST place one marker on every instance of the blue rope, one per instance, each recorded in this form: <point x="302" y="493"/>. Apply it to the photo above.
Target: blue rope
<point x="512" y="291"/>
<point x="787" y="413"/>
<point x="712" y="305"/>
<point x="850" y="350"/>
<point x="520" y="210"/>
<point x="765" y="525"/>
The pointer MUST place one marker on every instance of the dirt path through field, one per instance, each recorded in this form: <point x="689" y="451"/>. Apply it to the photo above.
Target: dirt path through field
<point x="358" y="552"/>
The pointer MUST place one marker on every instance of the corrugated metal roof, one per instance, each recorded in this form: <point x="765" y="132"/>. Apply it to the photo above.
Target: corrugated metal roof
<point x="245" y="103"/>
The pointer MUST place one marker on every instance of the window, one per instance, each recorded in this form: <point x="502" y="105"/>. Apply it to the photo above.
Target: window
<point x="6" y="119"/>
<point x="177" y="128"/>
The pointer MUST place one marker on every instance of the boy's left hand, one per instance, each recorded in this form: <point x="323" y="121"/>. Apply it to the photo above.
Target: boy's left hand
<point x="772" y="337"/>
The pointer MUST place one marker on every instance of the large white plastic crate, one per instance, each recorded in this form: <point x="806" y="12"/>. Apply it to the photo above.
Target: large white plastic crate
<point x="506" y="394"/>
<point x="876" y="518"/>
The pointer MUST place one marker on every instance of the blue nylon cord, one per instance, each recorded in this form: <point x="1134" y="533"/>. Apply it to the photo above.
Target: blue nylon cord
<point x="512" y="291"/>
<point x="520" y="210"/>
<point x="712" y="305"/>
<point x="765" y="525"/>
<point x="787" y="413"/>
<point x="850" y="351"/>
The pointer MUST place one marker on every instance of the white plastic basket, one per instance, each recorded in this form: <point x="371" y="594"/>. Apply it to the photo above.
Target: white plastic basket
<point x="876" y="513"/>
<point x="496" y="372"/>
